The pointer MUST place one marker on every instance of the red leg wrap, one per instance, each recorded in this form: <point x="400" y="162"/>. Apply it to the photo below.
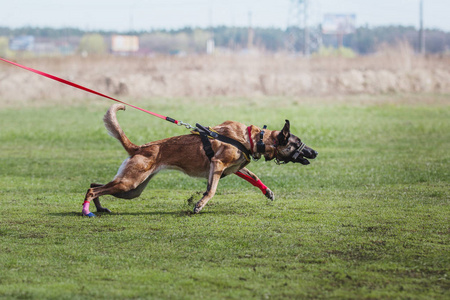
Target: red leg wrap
<point x="258" y="183"/>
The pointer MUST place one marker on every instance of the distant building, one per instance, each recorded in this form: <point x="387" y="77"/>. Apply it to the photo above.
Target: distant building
<point x="210" y="46"/>
<point x="22" y="43"/>
<point x="124" y="44"/>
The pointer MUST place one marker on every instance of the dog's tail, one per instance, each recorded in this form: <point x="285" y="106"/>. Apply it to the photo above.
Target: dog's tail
<point x="114" y="130"/>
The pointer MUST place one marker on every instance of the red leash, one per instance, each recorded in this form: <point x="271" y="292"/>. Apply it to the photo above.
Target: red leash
<point x="94" y="92"/>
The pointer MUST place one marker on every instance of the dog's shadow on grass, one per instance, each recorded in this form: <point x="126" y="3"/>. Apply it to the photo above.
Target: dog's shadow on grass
<point x="187" y="211"/>
<point x="180" y="213"/>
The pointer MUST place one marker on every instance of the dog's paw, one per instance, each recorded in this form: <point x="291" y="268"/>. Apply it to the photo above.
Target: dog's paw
<point x="269" y="194"/>
<point x="197" y="209"/>
<point x="103" y="210"/>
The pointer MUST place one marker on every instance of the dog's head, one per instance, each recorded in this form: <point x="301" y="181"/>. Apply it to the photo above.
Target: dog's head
<point x="289" y="148"/>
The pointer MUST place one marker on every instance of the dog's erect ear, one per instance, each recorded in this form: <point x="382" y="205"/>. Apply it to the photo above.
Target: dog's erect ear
<point x="286" y="128"/>
<point x="284" y="135"/>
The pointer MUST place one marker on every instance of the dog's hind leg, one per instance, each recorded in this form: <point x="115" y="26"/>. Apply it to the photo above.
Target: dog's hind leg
<point x="97" y="201"/>
<point x="96" y="191"/>
<point x="129" y="183"/>
<point x="246" y="174"/>
<point x="117" y="187"/>
<point x="215" y="173"/>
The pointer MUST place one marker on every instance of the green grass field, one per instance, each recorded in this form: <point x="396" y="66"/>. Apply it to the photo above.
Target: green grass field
<point x="368" y="219"/>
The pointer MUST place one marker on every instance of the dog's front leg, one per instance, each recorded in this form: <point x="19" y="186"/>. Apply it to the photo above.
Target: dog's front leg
<point x="215" y="173"/>
<point x="246" y="174"/>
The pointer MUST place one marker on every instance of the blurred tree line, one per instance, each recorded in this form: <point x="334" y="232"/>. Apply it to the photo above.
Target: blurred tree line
<point x="365" y="40"/>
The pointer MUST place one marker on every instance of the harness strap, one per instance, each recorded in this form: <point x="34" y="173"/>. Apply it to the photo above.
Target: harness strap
<point x="206" y="145"/>
<point x="206" y="134"/>
<point x="236" y="144"/>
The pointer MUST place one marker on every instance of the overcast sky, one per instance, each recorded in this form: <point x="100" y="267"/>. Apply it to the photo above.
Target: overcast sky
<point x="123" y="15"/>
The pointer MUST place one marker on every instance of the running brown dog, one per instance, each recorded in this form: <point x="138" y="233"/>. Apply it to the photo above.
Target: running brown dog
<point x="186" y="153"/>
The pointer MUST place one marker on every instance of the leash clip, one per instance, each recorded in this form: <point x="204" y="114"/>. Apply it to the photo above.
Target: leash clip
<point x="187" y="125"/>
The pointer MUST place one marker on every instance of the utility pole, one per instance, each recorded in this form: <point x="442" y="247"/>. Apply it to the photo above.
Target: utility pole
<point x="421" y="30"/>
<point x="251" y="33"/>
<point x="306" y="49"/>
<point x="303" y="26"/>
<point x="210" y="45"/>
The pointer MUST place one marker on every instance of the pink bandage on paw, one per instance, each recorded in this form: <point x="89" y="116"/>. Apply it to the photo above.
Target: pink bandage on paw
<point x="86" y="208"/>
<point x="257" y="183"/>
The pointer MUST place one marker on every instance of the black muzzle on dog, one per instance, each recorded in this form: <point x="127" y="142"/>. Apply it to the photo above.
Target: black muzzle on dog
<point x="300" y="155"/>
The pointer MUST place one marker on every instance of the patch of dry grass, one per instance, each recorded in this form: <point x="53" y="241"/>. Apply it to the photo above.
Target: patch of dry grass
<point x="392" y="70"/>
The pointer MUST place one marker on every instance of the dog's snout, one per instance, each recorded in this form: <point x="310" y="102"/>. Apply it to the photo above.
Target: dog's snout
<point x="309" y="153"/>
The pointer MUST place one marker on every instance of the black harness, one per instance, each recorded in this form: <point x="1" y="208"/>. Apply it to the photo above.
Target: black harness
<point x="206" y="134"/>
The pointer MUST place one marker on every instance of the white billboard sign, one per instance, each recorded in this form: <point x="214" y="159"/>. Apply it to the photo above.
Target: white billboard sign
<point x="125" y="43"/>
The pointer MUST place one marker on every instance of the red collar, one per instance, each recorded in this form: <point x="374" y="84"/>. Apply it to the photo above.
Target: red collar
<point x="249" y="130"/>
